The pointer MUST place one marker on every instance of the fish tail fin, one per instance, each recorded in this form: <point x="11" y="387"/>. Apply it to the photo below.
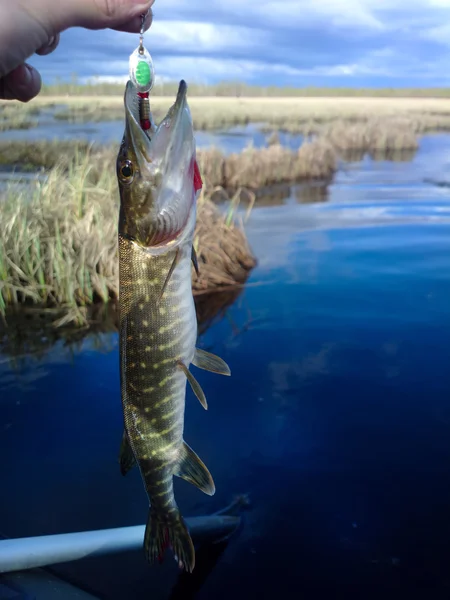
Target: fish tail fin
<point x="162" y="533"/>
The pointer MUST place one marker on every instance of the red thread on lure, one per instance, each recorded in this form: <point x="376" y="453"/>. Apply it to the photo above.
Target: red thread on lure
<point x="145" y="123"/>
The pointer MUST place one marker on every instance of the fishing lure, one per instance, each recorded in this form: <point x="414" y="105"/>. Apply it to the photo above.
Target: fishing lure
<point x="142" y="75"/>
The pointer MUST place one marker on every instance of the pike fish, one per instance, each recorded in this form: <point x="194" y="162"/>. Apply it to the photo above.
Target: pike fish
<point x="158" y="325"/>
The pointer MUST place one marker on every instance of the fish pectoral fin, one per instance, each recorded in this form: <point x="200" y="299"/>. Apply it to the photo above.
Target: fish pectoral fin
<point x="194" y="385"/>
<point x="195" y="261"/>
<point x="210" y="362"/>
<point x="126" y="457"/>
<point x="191" y="468"/>
<point x="171" y="270"/>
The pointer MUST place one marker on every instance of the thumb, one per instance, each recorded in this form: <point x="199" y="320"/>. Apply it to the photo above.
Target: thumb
<point x="123" y="15"/>
<point x="22" y="83"/>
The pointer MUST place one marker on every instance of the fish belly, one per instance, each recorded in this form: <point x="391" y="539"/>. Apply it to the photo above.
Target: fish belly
<point x="157" y="334"/>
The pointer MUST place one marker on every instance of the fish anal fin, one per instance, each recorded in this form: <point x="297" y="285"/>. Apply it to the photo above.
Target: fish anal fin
<point x="195" y="261"/>
<point x="192" y="469"/>
<point x="196" y="388"/>
<point x="210" y="362"/>
<point x="170" y="273"/>
<point x="126" y="457"/>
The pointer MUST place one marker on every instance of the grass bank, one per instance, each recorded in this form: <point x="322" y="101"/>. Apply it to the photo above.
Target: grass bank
<point x="59" y="242"/>
<point x="252" y="168"/>
<point x="380" y="137"/>
<point x="239" y="88"/>
<point x="295" y="114"/>
<point x="13" y="116"/>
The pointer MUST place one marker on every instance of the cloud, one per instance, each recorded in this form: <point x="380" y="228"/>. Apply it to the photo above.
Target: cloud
<point x="281" y="42"/>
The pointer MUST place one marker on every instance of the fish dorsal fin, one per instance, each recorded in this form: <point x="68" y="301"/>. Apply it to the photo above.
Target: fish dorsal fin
<point x="170" y="273"/>
<point x="210" y="362"/>
<point x="191" y="468"/>
<point x="195" y="261"/>
<point x="126" y="457"/>
<point x="194" y="385"/>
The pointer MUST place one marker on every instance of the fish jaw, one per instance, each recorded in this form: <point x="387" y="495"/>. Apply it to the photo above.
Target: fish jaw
<point x="155" y="173"/>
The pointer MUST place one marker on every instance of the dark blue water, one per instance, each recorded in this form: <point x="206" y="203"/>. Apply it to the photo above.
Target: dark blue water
<point x="336" y="419"/>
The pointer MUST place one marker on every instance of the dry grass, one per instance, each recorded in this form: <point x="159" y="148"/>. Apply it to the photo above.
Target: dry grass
<point x="376" y="135"/>
<point x="252" y="168"/>
<point x="46" y="154"/>
<point x="59" y="241"/>
<point x="296" y="114"/>
<point x="13" y="117"/>
<point x="353" y="126"/>
<point x="256" y="168"/>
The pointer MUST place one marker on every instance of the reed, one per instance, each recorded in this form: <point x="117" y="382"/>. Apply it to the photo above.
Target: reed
<point x="252" y="168"/>
<point x="59" y="241"/>
<point x="295" y="114"/>
<point x="46" y="154"/>
<point x="376" y="135"/>
<point x="240" y="88"/>
<point x="14" y="116"/>
<point x="255" y="168"/>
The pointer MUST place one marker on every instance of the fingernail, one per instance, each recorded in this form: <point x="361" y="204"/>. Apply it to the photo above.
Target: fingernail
<point x="143" y="6"/>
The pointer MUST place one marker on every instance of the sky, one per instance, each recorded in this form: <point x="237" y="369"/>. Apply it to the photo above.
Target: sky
<point x="296" y="43"/>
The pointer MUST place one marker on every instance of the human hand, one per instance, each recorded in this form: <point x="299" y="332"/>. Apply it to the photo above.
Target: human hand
<point x="33" y="26"/>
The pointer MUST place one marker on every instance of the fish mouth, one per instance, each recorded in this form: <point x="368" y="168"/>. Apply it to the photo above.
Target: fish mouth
<point x="157" y="143"/>
<point x="162" y="191"/>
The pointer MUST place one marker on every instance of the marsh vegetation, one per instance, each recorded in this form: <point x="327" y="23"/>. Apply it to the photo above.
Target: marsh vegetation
<point x="59" y="240"/>
<point x="59" y="237"/>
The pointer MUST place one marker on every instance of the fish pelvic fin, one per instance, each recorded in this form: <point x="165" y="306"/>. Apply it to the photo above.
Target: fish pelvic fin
<point x="210" y="362"/>
<point x="192" y="469"/>
<point x="196" y="388"/>
<point x="168" y="531"/>
<point x="126" y="456"/>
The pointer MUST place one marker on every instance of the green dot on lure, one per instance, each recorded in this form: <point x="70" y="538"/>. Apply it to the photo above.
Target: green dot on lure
<point x="142" y="72"/>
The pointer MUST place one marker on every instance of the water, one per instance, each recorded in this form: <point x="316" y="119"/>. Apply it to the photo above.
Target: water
<point x="336" y="419"/>
<point x="234" y="139"/>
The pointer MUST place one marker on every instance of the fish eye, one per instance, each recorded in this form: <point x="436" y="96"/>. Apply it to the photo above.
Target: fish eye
<point x="126" y="171"/>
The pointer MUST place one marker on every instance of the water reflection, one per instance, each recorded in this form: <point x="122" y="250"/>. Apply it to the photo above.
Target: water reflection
<point x="231" y="140"/>
<point x="393" y="155"/>
<point x="380" y="155"/>
<point x="275" y="195"/>
<point x="312" y="194"/>
<point x="335" y="420"/>
<point x="29" y="335"/>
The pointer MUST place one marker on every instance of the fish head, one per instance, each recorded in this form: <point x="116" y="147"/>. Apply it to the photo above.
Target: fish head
<point x="155" y="172"/>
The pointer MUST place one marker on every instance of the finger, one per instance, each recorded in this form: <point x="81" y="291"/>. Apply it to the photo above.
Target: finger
<point x="123" y="15"/>
<point x="50" y="46"/>
<point x="23" y="83"/>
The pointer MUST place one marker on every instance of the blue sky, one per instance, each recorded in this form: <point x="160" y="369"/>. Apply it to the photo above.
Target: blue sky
<point x="281" y="42"/>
